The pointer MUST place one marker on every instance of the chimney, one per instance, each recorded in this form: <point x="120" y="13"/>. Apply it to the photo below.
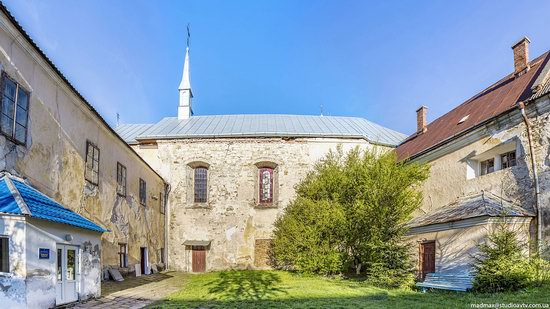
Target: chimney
<point x="521" y="56"/>
<point x="421" y="121"/>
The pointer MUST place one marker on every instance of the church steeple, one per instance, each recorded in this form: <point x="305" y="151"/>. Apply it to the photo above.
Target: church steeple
<point x="184" y="109"/>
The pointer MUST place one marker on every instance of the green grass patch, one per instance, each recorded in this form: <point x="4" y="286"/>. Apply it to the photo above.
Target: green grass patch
<point x="278" y="289"/>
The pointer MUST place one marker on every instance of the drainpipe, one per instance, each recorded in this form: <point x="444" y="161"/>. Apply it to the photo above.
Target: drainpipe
<point x="167" y="189"/>
<point x="521" y="106"/>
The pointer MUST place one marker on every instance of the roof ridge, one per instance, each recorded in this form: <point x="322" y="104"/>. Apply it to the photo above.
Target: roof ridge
<point x="17" y="196"/>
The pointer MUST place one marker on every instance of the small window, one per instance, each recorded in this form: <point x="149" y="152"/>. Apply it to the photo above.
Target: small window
<point x="508" y="159"/>
<point x="92" y="164"/>
<point x="162" y="255"/>
<point x="201" y="182"/>
<point x="15" y="110"/>
<point x="120" y="179"/>
<point x="4" y="255"/>
<point x="266" y="185"/>
<point x="123" y="255"/>
<point x="487" y="166"/>
<point x="142" y="192"/>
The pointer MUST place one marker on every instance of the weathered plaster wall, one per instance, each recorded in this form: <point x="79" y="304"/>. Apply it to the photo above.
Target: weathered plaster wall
<point x="448" y="175"/>
<point x="12" y="285"/>
<point x="41" y="273"/>
<point x="232" y="220"/>
<point x="54" y="157"/>
<point x="457" y="248"/>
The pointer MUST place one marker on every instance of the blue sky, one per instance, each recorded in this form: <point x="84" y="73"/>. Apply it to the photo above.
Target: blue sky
<point x="374" y="59"/>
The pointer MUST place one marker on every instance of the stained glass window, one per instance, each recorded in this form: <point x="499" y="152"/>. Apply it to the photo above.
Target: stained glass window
<point x="266" y="185"/>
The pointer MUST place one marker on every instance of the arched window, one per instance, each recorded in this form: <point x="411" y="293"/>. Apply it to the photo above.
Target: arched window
<point x="201" y="184"/>
<point x="265" y="182"/>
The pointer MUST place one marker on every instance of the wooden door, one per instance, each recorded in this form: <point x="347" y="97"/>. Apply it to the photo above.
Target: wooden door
<point x="199" y="259"/>
<point x="427" y="258"/>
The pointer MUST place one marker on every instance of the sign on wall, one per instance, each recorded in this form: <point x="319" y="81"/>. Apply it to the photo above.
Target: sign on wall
<point x="43" y="253"/>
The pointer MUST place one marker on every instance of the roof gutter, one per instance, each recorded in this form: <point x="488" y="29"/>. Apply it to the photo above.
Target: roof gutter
<point x="521" y="106"/>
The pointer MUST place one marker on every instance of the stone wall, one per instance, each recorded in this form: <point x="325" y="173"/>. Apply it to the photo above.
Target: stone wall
<point x="232" y="218"/>
<point x="53" y="159"/>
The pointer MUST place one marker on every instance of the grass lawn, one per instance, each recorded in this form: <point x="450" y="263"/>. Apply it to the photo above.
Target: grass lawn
<point x="277" y="289"/>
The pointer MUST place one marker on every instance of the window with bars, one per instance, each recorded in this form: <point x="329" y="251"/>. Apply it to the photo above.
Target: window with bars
<point x="120" y="179"/>
<point x="142" y="192"/>
<point x="508" y="159"/>
<point x="200" y="185"/>
<point x="15" y="110"/>
<point x="92" y="163"/>
<point x="265" y="182"/>
<point x="123" y="255"/>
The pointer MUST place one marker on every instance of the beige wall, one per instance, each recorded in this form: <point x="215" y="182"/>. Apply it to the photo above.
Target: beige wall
<point x="457" y="248"/>
<point x="449" y="176"/>
<point x="232" y="219"/>
<point x="53" y="159"/>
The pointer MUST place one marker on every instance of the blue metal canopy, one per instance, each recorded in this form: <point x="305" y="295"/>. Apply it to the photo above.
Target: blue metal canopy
<point x="18" y="198"/>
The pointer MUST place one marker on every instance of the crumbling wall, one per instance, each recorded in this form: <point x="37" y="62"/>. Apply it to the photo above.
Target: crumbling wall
<point x="12" y="286"/>
<point x="232" y="218"/>
<point x="53" y="158"/>
<point x="448" y="175"/>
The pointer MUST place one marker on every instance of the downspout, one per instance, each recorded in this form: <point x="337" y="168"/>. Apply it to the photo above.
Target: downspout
<point x="521" y="106"/>
<point x="167" y="189"/>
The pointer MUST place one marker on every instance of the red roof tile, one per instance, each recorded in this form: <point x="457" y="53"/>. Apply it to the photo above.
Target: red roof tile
<point x="491" y="102"/>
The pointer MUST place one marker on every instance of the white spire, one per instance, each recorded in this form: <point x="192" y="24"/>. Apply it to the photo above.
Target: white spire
<point x="185" y="82"/>
<point x="184" y="109"/>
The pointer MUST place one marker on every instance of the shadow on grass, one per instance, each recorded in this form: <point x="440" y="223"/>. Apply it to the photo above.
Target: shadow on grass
<point x="245" y="285"/>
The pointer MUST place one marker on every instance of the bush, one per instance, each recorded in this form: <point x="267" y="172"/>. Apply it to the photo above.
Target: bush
<point x="503" y="266"/>
<point x="350" y="213"/>
<point x="308" y="238"/>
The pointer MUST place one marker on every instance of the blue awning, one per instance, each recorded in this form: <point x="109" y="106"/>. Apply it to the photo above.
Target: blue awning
<point x="18" y="198"/>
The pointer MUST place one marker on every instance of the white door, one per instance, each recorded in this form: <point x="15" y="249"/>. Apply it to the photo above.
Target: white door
<point x="67" y="274"/>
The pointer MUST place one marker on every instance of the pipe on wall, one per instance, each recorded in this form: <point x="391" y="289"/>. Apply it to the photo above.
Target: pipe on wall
<point x="521" y="106"/>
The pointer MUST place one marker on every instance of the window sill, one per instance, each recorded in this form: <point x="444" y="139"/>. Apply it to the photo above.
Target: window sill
<point x="266" y="205"/>
<point x="200" y="206"/>
<point x="511" y="168"/>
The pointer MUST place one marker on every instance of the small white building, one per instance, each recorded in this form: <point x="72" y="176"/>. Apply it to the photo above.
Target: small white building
<point x="49" y="254"/>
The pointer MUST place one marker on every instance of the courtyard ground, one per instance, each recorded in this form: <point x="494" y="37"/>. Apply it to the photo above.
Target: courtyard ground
<point x="274" y="289"/>
<point x="136" y="292"/>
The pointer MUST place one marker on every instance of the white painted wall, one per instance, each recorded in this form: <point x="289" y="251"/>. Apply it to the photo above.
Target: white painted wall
<point x="13" y="292"/>
<point x="31" y="281"/>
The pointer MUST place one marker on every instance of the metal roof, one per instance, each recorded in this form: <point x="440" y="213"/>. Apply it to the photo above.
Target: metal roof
<point x="220" y="126"/>
<point x="480" y="205"/>
<point x="18" y="198"/>
<point x="499" y="98"/>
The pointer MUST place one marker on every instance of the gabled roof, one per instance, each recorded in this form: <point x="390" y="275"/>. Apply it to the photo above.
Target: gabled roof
<point x="18" y="198"/>
<point x="480" y="205"/>
<point x="88" y="105"/>
<point x="499" y="98"/>
<point x="220" y="126"/>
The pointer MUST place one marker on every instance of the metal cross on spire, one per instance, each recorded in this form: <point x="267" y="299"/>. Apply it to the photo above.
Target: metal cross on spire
<point x="188" y="34"/>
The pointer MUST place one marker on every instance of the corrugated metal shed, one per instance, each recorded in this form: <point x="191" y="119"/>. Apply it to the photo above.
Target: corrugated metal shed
<point x="222" y="126"/>
<point x="19" y="198"/>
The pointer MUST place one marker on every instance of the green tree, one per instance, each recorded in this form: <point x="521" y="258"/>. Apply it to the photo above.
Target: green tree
<point x="365" y="198"/>
<point x="504" y="266"/>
